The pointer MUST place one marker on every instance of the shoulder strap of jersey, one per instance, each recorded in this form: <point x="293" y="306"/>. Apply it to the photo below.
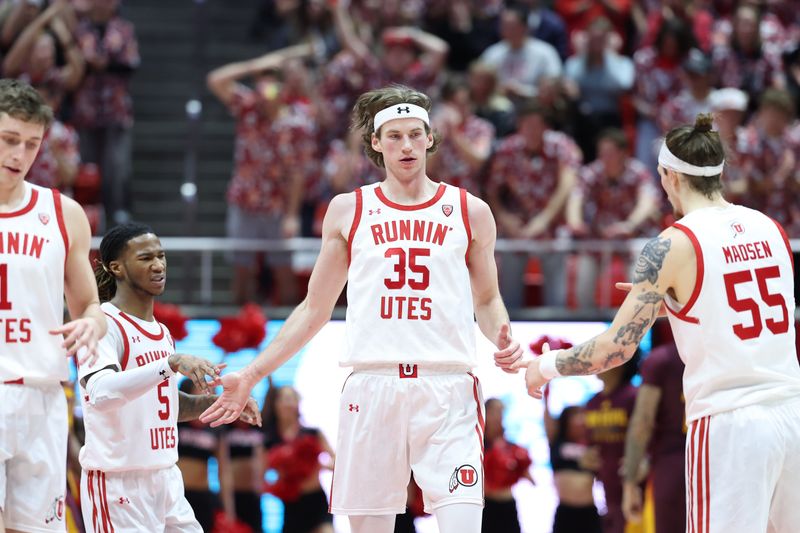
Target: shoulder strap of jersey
<point x="356" y="221"/>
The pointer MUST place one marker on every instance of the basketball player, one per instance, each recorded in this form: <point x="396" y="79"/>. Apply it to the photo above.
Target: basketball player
<point x="44" y="256"/>
<point x="418" y="257"/>
<point x="131" y="404"/>
<point x="725" y="274"/>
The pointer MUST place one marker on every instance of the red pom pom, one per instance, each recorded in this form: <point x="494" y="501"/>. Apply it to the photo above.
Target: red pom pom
<point x="171" y="316"/>
<point x="555" y="343"/>
<point x="504" y="464"/>
<point x="294" y="461"/>
<point x="245" y="330"/>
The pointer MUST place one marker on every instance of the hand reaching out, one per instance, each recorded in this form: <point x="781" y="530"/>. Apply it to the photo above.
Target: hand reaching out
<point x="229" y="405"/>
<point x="80" y="333"/>
<point x="509" y="351"/>
<point x="196" y="369"/>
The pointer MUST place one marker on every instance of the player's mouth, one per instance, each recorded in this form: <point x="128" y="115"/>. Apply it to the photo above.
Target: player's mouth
<point x="13" y="170"/>
<point x="159" y="281"/>
<point x="408" y="159"/>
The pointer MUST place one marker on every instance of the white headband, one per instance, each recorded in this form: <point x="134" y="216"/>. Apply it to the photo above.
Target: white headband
<point x="668" y="160"/>
<point x="400" y="111"/>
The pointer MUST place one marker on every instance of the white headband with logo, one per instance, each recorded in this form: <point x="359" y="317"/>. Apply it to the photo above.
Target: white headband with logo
<point x="668" y="160"/>
<point x="400" y="111"/>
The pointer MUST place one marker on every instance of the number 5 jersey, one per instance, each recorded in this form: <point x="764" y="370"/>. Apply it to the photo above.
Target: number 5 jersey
<point x="409" y="298"/>
<point x="142" y="433"/>
<point x="33" y="248"/>
<point x="736" y="333"/>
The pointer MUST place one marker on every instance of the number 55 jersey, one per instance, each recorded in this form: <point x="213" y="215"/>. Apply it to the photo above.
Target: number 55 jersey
<point x="409" y="298"/>
<point x="736" y="333"/>
<point x="142" y="433"/>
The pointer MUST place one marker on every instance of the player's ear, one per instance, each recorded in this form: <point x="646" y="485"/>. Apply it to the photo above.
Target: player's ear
<point x="376" y="143"/>
<point x="115" y="267"/>
<point x="430" y="139"/>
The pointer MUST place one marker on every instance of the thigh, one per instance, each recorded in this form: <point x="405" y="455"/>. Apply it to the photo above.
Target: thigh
<point x="36" y="476"/>
<point x="446" y="440"/>
<point x="731" y="470"/>
<point x="669" y="493"/>
<point x="372" y="467"/>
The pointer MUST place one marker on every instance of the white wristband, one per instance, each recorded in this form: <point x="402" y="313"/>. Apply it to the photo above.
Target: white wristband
<point x="547" y="365"/>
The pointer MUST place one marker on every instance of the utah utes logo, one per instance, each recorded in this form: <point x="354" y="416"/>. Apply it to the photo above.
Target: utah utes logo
<point x="464" y="475"/>
<point x="738" y="228"/>
<point x="44" y="218"/>
<point x="56" y="511"/>
<point x="447" y="209"/>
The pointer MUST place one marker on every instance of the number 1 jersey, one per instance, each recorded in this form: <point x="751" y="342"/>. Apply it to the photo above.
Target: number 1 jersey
<point x="409" y="298"/>
<point x="142" y="434"/>
<point x="33" y="248"/>
<point x="736" y="333"/>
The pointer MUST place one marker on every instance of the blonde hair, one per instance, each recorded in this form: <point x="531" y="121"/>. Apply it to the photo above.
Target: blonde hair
<point x="371" y="102"/>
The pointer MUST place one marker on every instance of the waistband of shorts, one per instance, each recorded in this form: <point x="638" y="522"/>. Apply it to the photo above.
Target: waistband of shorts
<point x="32" y="382"/>
<point x="411" y="370"/>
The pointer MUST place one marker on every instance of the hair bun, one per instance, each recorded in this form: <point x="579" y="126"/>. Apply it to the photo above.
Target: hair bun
<point x="703" y="122"/>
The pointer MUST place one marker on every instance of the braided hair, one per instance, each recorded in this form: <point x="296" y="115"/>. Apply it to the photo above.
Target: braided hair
<point x="111" y="247"/>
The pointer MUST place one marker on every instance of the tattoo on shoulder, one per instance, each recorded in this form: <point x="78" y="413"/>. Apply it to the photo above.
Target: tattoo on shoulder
<point x="651" y="260"/>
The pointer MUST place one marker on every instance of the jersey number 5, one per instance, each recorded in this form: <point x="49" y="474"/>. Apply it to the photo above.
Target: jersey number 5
<point x="749" y="305"/>
<point x="163" y="398"/>
<point x="419" y="283"/>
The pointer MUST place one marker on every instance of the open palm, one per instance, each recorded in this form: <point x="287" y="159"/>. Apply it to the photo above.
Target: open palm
<point x="229" y="405"/>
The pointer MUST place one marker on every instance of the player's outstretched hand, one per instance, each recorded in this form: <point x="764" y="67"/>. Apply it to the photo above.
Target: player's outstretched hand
<point x="632" y="502"/>
<point x="662" y="311"/>
<point x="534" y="379"/>
<point x="509" y="351"/>
<point x="251" y="414"/>
<point x="80" y="333"/>
<point x="196" y="369"/>
<point x="230" y="403"/>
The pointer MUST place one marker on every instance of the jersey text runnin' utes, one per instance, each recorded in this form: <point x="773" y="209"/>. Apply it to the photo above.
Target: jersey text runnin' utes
<point x="408" y="293"/>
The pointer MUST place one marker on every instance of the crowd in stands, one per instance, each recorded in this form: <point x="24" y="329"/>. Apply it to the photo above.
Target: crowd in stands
<point x="80" y="54"/>
<point x="551" y="111"/>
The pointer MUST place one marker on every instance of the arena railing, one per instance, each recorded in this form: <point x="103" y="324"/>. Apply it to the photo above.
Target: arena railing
<point x="196" y="256"/>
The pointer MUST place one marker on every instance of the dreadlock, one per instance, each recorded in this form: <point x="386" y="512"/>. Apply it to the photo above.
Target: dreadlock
<point x="111" y="247"/>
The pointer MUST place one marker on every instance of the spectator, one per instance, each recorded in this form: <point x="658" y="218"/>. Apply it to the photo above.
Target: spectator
<point x="16" y="16"/>
<point x="791" y="71"/>
<point x="505" y="463"/>
<point x="607" y="416"/>
<point x="600" y="76"/>
<point x="275" y="151"/>
<point x="489" y="103"/>
<point x="197" y="443"/>
<point x="580" y="14"/>
<point x="520" y="60"/>
<point x="690" y="13"/>
<point x="695" y="98"/>
<point x="466" y="140"/>
<point x="531" y="175"/>
<point x="729" y="107"/>
<point x="769" y="154"/>
<point x="468" y="26"/>
<point x="574" y="464"/>
<point x="57" y="163"/>
<point x="548" y="26"/>
<point x="600" y="206"/>
<point x="103" y="109"/>
<point x="32" y="58"/>
<point x="409" y="56"/>
<point x="657" y="80"/>
<point x="745" y="63"/>
<point x="658" y="425"/>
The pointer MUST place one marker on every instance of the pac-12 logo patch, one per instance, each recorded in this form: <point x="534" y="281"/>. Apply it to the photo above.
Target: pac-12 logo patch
<point x="465" y="475"/>
<point x="447" y="209"/>
<point x="44" y="218"/>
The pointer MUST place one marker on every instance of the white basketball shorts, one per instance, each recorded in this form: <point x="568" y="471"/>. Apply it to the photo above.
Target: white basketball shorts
<point x="743" y="470"/>
<point x="399" y="419"/>
<point x="33" y="456"/>
<point x="132" y="502"/>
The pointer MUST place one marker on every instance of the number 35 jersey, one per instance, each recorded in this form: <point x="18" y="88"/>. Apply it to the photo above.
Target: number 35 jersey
<point x="33" y="248"/>
<point x="409" y="298"/>
<point x="142" y="434"/>
<point x="736" y="333"/>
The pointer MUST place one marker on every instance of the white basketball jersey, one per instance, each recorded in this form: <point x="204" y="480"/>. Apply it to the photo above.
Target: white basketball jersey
<point x="33" y="250"/>
<point x="736" y="333"/>
<point x="142" y="434"/>
<point x="408" y="291"/>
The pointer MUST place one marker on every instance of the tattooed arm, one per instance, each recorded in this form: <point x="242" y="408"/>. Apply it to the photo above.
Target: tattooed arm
<point x="666" y="264"/>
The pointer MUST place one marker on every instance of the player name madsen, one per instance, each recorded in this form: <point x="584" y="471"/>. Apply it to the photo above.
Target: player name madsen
<point x="747" y="251"/>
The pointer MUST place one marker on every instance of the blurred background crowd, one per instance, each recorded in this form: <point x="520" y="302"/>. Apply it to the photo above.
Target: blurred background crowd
<point x="551" y="111"/>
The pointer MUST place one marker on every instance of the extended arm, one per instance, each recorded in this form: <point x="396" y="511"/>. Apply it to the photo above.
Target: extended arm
<point x="539" y="223"/>
<point x="324" y="287"/>
<point x="222" y="81"/>
<point x="664" y="260"/>
<point x="191" y="405"/>
<point x="490" y="311"/>
<point x="640" y="430"/>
